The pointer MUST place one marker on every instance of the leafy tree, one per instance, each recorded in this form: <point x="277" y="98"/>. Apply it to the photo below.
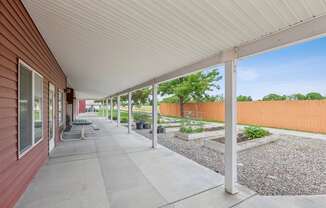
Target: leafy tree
<point x="273" y="96"/>
<point x="213" y="98"/>
<point x="171" y="99"/>
<point x="193" y="87"/>
<point x="124" y="100"/>
<point x="314" y="96"/>
<point x="297" y="96"/>
<point x="242" y="98"/>
<point x="139" y="97"/>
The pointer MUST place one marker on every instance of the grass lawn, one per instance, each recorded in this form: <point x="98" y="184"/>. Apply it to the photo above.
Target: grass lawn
<point x="142" y="109"/>
<point x="123" y="114"/>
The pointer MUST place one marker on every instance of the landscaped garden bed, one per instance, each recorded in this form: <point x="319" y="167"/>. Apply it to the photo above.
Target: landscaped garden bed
<point x="243" y="142"/>
<point x="252" y="136"/>
<point x="290" y="165"/>
<point x="199" y="135"/>
<point x="194" y="130"/>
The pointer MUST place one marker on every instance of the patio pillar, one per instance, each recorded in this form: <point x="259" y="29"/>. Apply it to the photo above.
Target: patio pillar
<point x="118" y="110"/>
<point x="129" y="112"/>
<point x="230" y="155"/>
<point x="106" y="109"/>
<point x="111" y="109"/>
<point x="103" y="107"/>
<point x="154" y="115"/>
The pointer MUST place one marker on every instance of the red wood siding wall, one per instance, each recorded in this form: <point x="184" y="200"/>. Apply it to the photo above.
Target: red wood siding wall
<point x="19" y="38"/>
<point x="82" y="106"/>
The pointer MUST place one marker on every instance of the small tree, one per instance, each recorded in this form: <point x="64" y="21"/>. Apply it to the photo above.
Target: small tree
<point x="213" y="98"/>
<point x="243" y="98"/>
<point x="314" y="96"/>
<point x="171" y="99"/>
<point x="192" y="87"/>
<point x="273" y="96"/>
<point x="297" y="96"/>
<point x="139" y="97"/>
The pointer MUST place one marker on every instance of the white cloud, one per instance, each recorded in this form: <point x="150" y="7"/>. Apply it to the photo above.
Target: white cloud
<point x="247" y="74"/>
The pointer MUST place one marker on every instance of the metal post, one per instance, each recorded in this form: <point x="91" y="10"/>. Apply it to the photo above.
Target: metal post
<point x="154" y="116"/>
<point x="230" y="156"/>
<point x="111" y="109"/>
<point x="129" y="112"/>
<point x="118" y="108"/>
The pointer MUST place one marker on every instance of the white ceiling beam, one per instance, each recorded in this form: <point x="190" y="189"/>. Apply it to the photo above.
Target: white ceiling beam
<point x="300" y="32"/>
<point x="213" y="60"/>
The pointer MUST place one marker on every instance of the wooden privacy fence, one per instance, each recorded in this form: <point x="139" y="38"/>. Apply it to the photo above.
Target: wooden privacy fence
<point x="308" y="115"/>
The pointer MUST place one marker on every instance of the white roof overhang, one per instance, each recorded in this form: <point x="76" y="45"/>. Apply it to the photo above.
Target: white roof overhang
<point x="112" y="47"/>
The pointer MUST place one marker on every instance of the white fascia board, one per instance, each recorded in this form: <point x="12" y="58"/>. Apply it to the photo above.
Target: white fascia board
<point x="300" y="32"/>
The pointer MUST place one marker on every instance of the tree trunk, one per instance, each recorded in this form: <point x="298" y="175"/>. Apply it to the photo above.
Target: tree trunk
<point x="181" y="103"/>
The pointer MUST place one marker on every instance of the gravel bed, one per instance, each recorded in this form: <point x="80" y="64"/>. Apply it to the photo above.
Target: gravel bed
<point x="289" y="166"/>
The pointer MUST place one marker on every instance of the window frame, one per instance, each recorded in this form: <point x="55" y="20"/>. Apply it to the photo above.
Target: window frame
<point x="34" y="72"/>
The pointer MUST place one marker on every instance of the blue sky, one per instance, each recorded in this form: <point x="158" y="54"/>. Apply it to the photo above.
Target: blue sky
<point x="296" y="69"/>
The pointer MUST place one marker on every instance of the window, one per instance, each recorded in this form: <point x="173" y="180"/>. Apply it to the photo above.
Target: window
<point x="60" y="107"/>
<point x="25" y="108"/>
<point x="30" y="108"/>
<point x="38" y="99"/>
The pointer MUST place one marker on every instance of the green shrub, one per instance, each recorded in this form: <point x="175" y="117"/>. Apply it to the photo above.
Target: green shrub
<point x="124" y="120"/>
<point x="185" y="129"/>
<point x="189" y="126"/>
<point x="198" y="129"/>
<point x="141" y="117"/>
<point x="189" y="129"/>
<point x="254" y="132"/>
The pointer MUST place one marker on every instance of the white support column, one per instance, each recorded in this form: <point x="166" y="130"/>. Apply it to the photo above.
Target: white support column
<point x="129" y="112"/>
<point x="230" y="156"/>
<point x="118" y="110"/>
<point x="103" y="107"/>
<point x="111" y="109"/>
<point x="154" y="116"/>
<point x="106" y="109"/>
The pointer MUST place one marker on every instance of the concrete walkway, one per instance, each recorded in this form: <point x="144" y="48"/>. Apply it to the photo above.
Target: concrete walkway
<point x="117" y="169"/>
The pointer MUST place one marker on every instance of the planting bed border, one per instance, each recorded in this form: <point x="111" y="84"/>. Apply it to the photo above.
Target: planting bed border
<point x="220" y="147"/>
<point x="201" y="135"/>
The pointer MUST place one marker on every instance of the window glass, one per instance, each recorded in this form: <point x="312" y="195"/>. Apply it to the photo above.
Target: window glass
<point x="38" y="106"/>
<point x="60" y="107"/>
<point x="25" y="108"/>
<point x="51" y="113"/>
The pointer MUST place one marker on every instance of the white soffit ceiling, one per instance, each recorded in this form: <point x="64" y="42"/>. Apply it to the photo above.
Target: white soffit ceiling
<point x="106" y="46"/>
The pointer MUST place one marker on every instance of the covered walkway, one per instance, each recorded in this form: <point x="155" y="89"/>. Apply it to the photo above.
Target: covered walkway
<point x="117" y="169"/>
<point x="106" y="49"/>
